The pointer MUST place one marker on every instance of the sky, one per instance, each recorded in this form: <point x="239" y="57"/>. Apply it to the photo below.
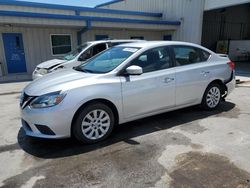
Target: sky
<point x="84" y="3"/>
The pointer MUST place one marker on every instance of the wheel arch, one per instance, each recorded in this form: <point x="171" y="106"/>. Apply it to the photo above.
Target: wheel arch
<point x="221" y="84"/>
<point x="223" y="89"/>
<point x="101" y="100"/>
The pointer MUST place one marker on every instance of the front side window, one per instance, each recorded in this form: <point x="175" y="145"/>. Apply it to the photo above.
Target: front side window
<point x="186" y="55"/>
<point x="153" y="60"/>
<point x="108" y="60"/>
<point x="92" y="51"/>
<point x="60" y="44"/>
<point x="99" y="48"/>
<point x="75" y="52"/>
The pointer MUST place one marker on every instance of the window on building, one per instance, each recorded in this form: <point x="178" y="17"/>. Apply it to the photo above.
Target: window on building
<point x="185" y="55"/>
<point x="167" y="37"/>
<point x="101" y="37"/>
<point x="154" y="60"/>
<point x="60" y="44"/>
<point x="137" y="37"/>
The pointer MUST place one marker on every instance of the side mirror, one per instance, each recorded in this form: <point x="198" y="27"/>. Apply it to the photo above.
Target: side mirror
<point x="134" y="70"/>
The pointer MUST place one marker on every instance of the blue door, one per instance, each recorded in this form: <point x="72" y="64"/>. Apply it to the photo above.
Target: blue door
<point x="14" y="52"/>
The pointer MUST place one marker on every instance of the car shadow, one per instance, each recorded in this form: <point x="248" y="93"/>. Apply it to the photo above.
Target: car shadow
<point x="48" y="149"/>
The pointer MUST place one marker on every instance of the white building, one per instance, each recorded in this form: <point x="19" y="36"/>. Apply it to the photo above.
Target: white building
<point x="28" y="29"/>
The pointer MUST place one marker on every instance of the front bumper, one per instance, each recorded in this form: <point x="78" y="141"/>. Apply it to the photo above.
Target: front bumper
<point x="54" y="119"/>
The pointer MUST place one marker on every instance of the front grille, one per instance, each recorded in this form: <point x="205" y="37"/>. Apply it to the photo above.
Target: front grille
<point x="25" y="100"/>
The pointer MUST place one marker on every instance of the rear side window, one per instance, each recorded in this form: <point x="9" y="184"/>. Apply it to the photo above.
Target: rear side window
<point x="99" y="48"/>
<point x="186" y="55"/>
<point x="205" y="55"/>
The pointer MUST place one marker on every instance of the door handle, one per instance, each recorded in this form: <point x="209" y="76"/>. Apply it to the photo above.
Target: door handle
<point x="205" y="72"/>
<point x="167" y="80"/>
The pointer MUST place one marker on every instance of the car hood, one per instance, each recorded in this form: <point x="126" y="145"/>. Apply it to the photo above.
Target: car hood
<point x="50" y="63"/>
<point x="59" y="81"/>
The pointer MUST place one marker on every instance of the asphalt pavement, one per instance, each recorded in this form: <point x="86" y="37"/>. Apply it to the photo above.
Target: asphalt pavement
<point x="183" y="148"/>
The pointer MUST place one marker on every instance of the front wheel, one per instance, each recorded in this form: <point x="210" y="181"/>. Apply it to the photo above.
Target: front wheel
<point x="94" y="123"/>
<point x="212" y="97"/>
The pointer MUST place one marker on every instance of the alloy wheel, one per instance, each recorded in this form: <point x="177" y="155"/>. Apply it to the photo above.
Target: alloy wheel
<point x="213" y="97"/>
<point x="95" y="124"/>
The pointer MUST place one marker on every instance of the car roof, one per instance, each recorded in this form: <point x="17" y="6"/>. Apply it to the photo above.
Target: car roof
<point x="152" y="44"/>
<point x="114" y="40"/>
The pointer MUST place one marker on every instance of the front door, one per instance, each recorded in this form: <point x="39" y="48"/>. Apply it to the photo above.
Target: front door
<point x="152" y="91"/>
<point x="14" y="52"/>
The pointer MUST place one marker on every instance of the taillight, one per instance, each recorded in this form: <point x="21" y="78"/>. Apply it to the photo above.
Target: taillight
<point x="231" y="65"/>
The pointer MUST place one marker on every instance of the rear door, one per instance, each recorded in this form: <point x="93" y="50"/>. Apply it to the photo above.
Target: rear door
<point x="153" y="90"/>
<point x="193" y="74"/>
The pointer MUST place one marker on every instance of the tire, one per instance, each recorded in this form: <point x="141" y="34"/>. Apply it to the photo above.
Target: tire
<point x="94" y="123"/>
<point x="212" y="97"/>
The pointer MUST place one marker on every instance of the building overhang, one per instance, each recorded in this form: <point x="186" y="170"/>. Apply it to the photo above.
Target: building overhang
<point x="78" y="9"/>
<point x="75" y="18"/>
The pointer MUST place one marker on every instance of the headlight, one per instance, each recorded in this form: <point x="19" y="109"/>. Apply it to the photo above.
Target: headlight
<point x="42" y="71"/>
<point x="48" y="100"/>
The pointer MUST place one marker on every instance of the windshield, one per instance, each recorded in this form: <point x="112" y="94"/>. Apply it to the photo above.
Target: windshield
<point x="71" y="55"/>
<point x="107" y="60"/>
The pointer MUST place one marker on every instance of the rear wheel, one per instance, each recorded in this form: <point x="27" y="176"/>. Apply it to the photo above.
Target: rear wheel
<point x="212" y="97"/>
<point x="94" y="123"/>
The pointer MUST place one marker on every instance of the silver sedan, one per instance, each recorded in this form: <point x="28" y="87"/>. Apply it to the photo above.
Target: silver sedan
<point x="122" y="84"/>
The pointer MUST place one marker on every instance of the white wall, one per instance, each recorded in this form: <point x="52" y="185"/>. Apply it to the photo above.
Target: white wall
<point x="215" y="4"/>
<point x="190" y="12"/>
<point x="37" y="45"/>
